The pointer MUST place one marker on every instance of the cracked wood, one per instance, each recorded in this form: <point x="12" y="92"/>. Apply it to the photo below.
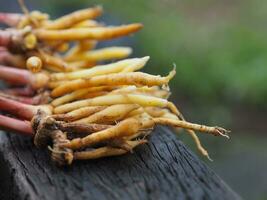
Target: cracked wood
<point x="162" y="169"/>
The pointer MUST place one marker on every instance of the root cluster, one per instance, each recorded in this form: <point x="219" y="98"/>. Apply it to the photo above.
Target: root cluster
<point x="60" y="92"/>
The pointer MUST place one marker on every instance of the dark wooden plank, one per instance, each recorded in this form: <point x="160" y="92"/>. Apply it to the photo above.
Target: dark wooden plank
<point x="162" y="169"/>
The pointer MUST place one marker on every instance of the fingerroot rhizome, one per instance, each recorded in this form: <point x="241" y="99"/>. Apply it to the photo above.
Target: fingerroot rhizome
<point x="59" y="91"/>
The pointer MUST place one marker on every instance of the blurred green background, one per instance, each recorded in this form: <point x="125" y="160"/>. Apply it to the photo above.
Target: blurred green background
<point x="220" y="50"/>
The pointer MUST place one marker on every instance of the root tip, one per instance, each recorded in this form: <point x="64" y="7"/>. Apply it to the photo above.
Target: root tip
<point x="222" y="132"/>
<point x="209" y="158"/>
<point x="146" y="58"/>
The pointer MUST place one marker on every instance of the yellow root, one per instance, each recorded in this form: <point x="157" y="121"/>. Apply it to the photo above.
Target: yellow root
<point x="70" y="97"/>
<point x="151" y="91"/>
<point x="124" y="128"/>
<point x="36" y="14"/>
<point x="30" y="41"/>
<point x="87" y="24"/>
<point x="71" y="19"/>
<point x="168" y="114"/>
<point x="146" y="127"/>
<point x="110" y="115"/>
<point x="154" y="111"/>
<point x="106" y="151"/>
<point x="131" y="78"/>
<point x="175" y="110"/>
<point x="55" y="84"/>
<point x="145" y="120"/>
<point x="160" y="93"/>
<point x="160" y="112"/>
<point x="78" y="94"/>
<point x="60" y="47"/>
<point x="192" y="133"/>
<point x="217" y="131"/>
<point x="83" y="45"/>
<point x="97" y="33"/>
<point x="38" y="18"/>
<point x="200" y="148"/>
<point x="108" y="53"/>
<point x="54" y="62"/>
<point x="79" y="65"/>
<point x="107" y="100"/>
<point x="101" y="69"/>
<point x="136" y="112"/>
<point x="27" y="13"/>
<point x="94" y="94"/>
<point x="79" y="113"/>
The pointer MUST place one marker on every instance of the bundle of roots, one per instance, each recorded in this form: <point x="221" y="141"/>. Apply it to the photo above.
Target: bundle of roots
<point x="57" y="91"/>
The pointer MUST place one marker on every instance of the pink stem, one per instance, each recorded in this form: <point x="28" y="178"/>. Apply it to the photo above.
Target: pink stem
<point x="19" y="126"/>
<point x="17" y="108"/>
<point x="10" y="19"/>
<point x="3" y="55"/>
<point x="5" y="38"/>
<point x="25" y="91"/>
<point x="2" y="49"/>
<point x="7" y="58"/>
<point x="42" y="98"/>
<point x="26" y="100"/>
<point x="15" y="76"/>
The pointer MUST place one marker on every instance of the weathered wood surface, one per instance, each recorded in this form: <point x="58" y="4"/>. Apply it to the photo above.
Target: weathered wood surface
<point x="162" y="169"/>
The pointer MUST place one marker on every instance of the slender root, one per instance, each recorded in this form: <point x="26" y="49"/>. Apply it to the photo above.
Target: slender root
<point x="81" y="128"/>
<point x="124" y="128"/>
<point x="110" y="114"/>
<point x="81" y="46"/>
<point x="73" y="18"/>
<point x="101" y="69"/>
<point x="199" y="146"/>
<point x="98" y="33"/>
<point x="108" y="53"/>
<point x="79" y="113"/>
<point x="142" y="100"/>
<point x="217" y="131"/>
<point x="130" y="78"/>
<point x="106" y="151"/>
<point x="89" y="23"/>
<point x="54" y="62"/>
<point x="78" y="94"/>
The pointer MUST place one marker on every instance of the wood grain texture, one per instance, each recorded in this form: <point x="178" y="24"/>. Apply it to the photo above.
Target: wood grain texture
<point x="162" y="169"/>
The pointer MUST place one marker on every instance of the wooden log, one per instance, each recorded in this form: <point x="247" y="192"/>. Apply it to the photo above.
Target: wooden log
<point x="162" y="169"/>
